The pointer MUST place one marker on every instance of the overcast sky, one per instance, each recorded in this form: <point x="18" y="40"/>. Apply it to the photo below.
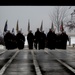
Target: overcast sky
<point x="22" y="13"/>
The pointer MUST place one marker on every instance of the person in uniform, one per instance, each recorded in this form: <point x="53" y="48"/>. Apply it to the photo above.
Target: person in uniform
<point x="54" y="39"/>
<point x="58" y="41"/>
<point x="42" y="40"/>
<point x="7" y="38"/>
<point x="64" y="39"/>
<point x="51" y="39"/>
<point x="14" y="42"/>
<point x="20" y="38"/>
<point x="30" y="39"/>
<point x="10" y="40"/>
<point x="37" y="39"/>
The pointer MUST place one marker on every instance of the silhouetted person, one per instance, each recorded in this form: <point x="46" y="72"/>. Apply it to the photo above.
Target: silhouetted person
<point x="58" y="41"/>
<point x="10" y="41"/>
<point x="30" y="39"/>
<point x="20" y="40"/>
<point x="37" y="38"/>
<point x="50" y="40"/>
<point x="54" y="39"/>
<point x="64" y="39"/>
<point x="7" y="39"/>
<point x="42" y="40"/>
<point x="14" y="42"/>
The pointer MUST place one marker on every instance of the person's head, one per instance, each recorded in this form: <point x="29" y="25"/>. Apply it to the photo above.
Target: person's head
<point x="30" y="31"/>
<point x="53" y="31"/>
<point x="19" y="31"/>
<point x="42" y="31"/>
<point x="50" y="30"/>
<point x="8" y="31"/>
<point x="37" y="29"/>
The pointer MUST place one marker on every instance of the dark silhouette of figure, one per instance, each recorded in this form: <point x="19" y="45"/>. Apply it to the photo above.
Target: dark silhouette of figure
<point x="58" y="41"/>
<point x="54" y="39"/>
<point x="51" y="39"/>
<point x="14" y="42"/>
<point x="10" y="40"/>
<point x="37" y="38"/>
<point x="64" y="39"/>
<point x="61" y="41"/>
<point x="42" y="40"/>
<point x="7" y="39"/>
<point x="20" y="40"/>
<point x="30" y="39"/>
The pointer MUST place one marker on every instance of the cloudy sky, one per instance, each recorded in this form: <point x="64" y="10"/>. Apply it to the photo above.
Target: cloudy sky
<point x="22" y="13"/>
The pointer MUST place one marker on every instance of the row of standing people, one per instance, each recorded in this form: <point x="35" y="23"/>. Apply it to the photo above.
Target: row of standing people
<point x="40" y="40"/>
<point x="13" y="41"/>
<point x="51" y="41"/>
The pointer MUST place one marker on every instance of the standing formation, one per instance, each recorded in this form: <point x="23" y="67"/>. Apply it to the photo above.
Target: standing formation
<point x="13" y="41"/>
<point x="51" y="41"/>
<point x="39" y="40"/>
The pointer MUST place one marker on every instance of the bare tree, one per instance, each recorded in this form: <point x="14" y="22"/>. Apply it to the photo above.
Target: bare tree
<point x="71" y="23"/>
<point x="60" y="13"/>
